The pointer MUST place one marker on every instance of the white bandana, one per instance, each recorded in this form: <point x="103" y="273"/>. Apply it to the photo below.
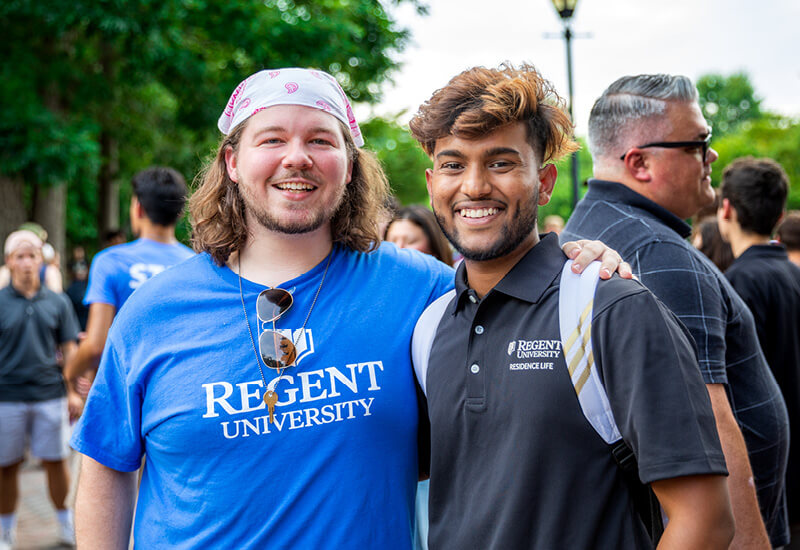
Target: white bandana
<point x="310" y="88"/>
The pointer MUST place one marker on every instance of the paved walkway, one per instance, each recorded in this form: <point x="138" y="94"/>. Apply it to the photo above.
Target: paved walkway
<point x="37" y="527"/>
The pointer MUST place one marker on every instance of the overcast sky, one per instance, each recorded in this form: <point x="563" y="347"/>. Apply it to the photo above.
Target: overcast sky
<point x="691" y="37"/>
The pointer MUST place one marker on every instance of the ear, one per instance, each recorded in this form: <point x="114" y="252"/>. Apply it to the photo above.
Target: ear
<point x="230" y="164"/>
<point x="349" y="177"/>
<point x="637" y="164"/>
<point x="726" y="211"/>
<point x="547" y="181"/>
<point x="428" y="184"/>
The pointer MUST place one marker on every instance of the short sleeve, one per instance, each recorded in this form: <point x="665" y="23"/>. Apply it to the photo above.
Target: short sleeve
<point x="657" y="395"/>
<point x="100" y="288"/>
<point x="109" y="431"/>
<point x="690" y="289"/>
<point x="68" y="327"/>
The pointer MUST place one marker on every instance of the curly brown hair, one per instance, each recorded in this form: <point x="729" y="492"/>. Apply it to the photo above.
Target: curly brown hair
<point x="217" y="210"/>
<point x="479" y="100"/>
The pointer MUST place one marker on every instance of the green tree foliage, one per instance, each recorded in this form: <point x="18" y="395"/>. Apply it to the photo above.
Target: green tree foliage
<point x="92" y="91"/>
<point x="402" y="158"/>
<point x="772" y="137"/>
<point x="728" y="101"/>
<point x="561" y="200"/>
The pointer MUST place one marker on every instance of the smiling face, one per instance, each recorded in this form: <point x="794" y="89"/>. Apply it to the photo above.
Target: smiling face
<point x="485" y="192"/>
<point x="292" y="168"/>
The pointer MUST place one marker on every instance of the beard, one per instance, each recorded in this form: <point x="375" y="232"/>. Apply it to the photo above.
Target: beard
<point x="512" y="234"/>
<point x="268" y="220"/>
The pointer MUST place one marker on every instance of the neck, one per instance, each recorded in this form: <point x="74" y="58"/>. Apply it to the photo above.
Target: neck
<point x="28" y="286"/>
<point x="270" y="258"/>
<point x="159" y="233"/>
<point x="794" y="256"/>
<point x="742" y="241"/>
<point x="482" y="276"/>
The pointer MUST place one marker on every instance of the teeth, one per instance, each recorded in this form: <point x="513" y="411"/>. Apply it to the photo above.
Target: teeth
<point x="295" y="186"/>
<point x="478" y="212"/>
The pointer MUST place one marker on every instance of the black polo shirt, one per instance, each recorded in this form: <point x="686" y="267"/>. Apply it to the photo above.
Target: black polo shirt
<point x="770" y="286"/>
<point x="30" y="332"/>
<point x="514" y="463"/>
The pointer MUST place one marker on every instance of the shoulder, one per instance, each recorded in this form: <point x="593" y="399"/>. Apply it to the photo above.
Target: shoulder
<point x="388" y="258"/>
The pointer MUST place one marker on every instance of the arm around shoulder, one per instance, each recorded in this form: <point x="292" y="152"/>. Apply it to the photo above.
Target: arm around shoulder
<point x="104" y="506"/>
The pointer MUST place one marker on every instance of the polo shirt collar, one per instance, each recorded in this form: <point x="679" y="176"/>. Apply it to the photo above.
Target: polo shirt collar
<point x="776" y="250"/>
<point x="612" y="191"/>
<point x="527" y="280"/>
<point x="18" y="294"/>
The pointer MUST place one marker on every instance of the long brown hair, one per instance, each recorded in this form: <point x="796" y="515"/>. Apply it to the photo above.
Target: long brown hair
<point x="218" y="212"/>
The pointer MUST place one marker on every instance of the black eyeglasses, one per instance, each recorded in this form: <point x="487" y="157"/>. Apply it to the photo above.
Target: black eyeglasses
<point x="703" y="144"/>
<point x="277" y="351"/>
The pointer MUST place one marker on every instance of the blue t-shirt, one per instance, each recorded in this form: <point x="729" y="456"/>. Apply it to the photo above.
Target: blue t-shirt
<point x="179" y="383"/>
<point x="653" y="240"/>
<point x="119" y="270"/>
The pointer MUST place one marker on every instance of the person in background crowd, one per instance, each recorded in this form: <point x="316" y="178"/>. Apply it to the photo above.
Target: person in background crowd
<point x="36" y="323"/>
<point x="113" y="237"/>
<point x="79" y="272"/>
<point x="415" y="227"/>
<point x="515" y="462"/>
<point x="50" y="272"/>
<point x="754" y="195"/>
<point x="652" y="159"/>
<point x="706" y="239"/>
<point x="788" y="235"/>
<point x="268" y="378"/>
<point x="159" y="195"/>
<point x="553" y="224"/>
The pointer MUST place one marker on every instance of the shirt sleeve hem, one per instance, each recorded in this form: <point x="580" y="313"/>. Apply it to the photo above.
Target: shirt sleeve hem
<point x="104" y="458"/>
<point x="709" y="464"/>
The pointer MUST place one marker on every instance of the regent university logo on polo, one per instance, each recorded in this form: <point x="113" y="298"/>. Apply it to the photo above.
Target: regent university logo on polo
<point x="307" y="399"/>
<point x="533" y="349"/>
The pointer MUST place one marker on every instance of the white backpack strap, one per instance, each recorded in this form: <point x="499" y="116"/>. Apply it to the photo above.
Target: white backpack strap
<point x="424" y="333"/>
<point x="575" y="305"/>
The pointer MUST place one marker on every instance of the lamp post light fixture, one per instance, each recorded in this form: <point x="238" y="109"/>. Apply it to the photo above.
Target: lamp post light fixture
<point x="565" y="9"/>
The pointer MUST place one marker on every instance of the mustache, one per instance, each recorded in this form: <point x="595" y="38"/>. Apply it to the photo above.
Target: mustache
<point x="294" y="174"/>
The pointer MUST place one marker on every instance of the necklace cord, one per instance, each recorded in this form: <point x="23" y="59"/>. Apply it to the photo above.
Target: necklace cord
<point x="300" y="333"/>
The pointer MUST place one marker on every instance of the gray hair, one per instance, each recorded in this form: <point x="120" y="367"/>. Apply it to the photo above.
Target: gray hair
<point x="629" y="100"/>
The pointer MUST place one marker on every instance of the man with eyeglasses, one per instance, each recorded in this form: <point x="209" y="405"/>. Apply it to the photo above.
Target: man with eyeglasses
<point x="652" y="170"/>
<point x="268" y="379"/>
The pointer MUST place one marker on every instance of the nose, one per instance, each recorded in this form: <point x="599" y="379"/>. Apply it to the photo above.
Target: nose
<point x="712" y="155"/>
<point x="474" y="182"/>
<point x="297" y="155"/>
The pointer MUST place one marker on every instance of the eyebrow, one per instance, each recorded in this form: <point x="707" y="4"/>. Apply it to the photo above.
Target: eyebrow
<point x="315" y="130"/>
<point x="490" y="153"/>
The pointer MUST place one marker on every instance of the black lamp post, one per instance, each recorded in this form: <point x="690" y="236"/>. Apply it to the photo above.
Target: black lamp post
<point x="565" y="9"/>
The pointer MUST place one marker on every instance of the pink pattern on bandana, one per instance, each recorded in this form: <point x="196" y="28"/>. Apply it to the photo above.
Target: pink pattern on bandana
<point x="273" y="74"/>
<point x="239" y="89"/>
<point x="257" y="110"/>
<point x="245" y="103"/>
<point x="324" y="105"/>
<point x="291" y="87"/>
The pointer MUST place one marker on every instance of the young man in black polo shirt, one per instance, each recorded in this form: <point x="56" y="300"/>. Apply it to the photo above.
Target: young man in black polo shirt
<point x="753" y="193"/>
<point x="34" y="323"/>
<point x="514" y="461"/>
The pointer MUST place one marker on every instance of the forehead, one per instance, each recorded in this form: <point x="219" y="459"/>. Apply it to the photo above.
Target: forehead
<point x="293" y="118"/>
<point x="404" y="226"/>
<point x="687" y="119"/>
<point x="513" y="137"/>
<point x="25" y="249"/>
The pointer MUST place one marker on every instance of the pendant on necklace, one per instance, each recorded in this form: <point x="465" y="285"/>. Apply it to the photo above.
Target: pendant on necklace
<point x="270" y="398"/>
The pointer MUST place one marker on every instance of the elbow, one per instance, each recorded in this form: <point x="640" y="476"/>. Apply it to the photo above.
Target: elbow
<point x="721" y="529"/>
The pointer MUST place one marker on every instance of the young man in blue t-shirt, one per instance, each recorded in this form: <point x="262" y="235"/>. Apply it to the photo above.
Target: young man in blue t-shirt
<point x="159" y="195"/>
